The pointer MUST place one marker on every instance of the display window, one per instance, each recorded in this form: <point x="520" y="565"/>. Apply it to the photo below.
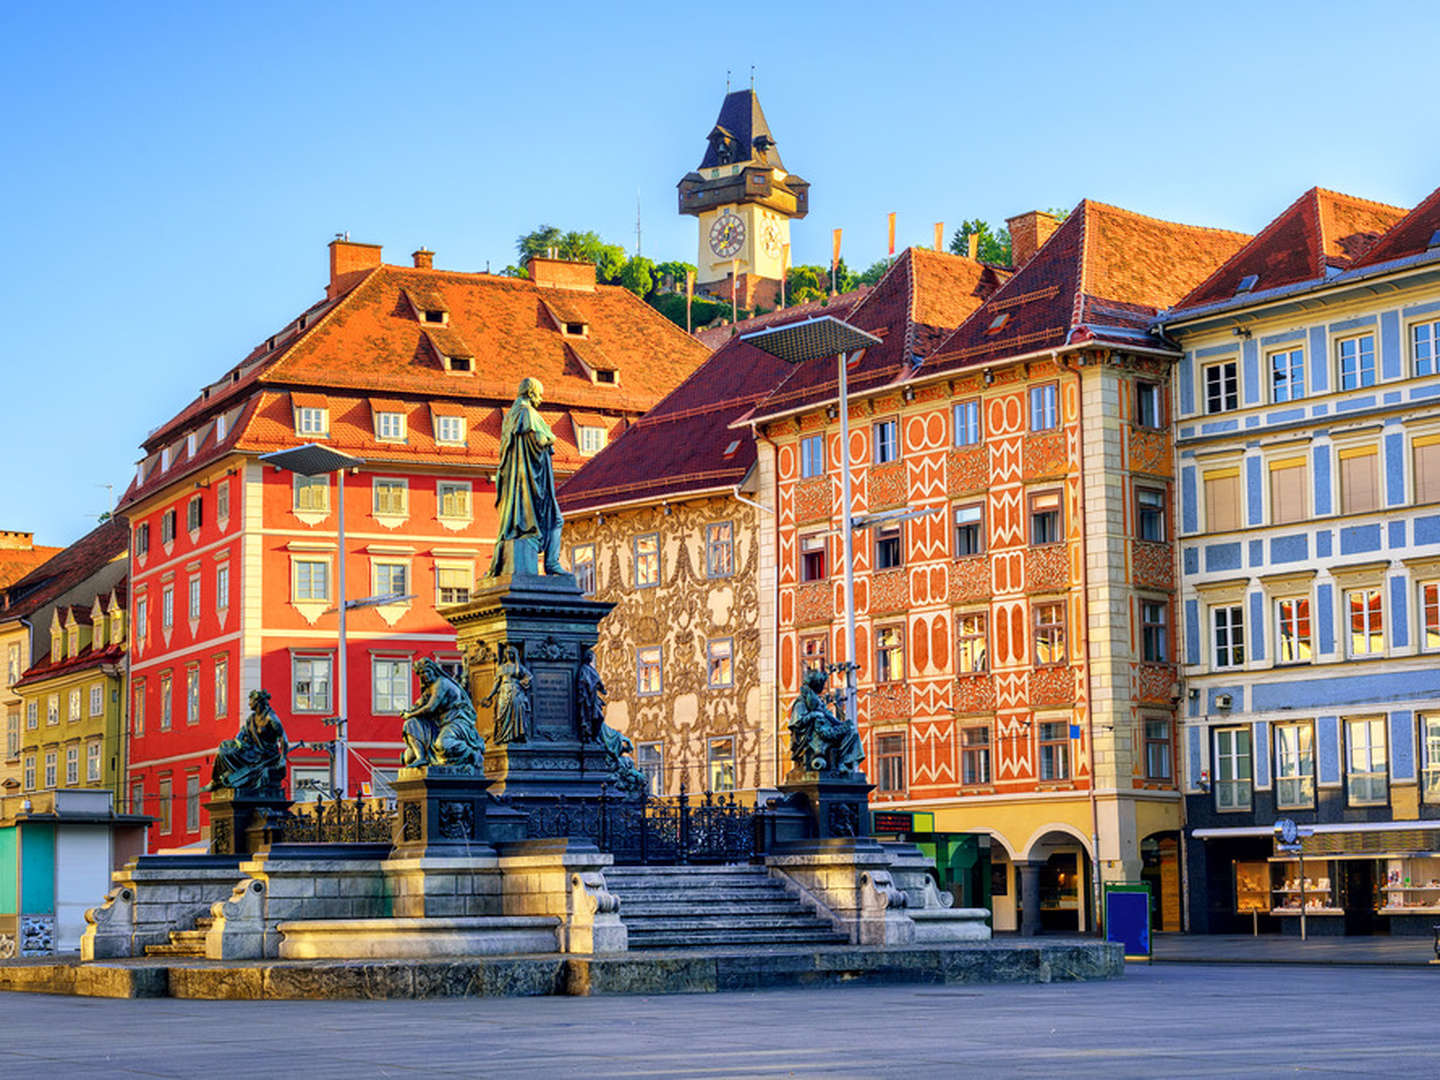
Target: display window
<point x="1411" y="885"/>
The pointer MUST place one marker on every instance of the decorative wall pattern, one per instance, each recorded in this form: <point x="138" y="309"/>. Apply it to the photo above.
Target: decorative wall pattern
<point x="968" y="470"/>
<point x="1152" y="565"/>
<point x="1150" y="452"/>
<point x="1045" y="455"/>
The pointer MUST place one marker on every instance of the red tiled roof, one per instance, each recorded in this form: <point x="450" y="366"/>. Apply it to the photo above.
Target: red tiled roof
<point x="1102" y="274"/>
<point x="104" y="544"/>
<point x="719" y="334"/>
<point x="1409" y="236"/>
<point x="1320" y="230"/>
<point x="15" y="563"/>
<point x="86" y="658"/>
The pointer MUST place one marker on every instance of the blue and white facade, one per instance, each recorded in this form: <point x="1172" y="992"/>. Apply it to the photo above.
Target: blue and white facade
<point x="1307" y="423"/>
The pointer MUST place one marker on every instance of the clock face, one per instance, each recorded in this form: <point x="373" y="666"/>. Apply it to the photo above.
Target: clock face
<point x="727" y="235"/>
<point x="770" y="237"/>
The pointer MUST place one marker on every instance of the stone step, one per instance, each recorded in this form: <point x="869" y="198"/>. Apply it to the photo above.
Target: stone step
<point x="739" y="924"/>
<point x="204" y="922"/>
<point x="696" y="896"/>
<point x="667" y="939"/>
<point x="173" y="949"/>
<point x="680" y="908"/>
<point x="687" y="868"/>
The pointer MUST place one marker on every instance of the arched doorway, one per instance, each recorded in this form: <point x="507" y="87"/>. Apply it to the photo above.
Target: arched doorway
<point x="1055" y="883"/>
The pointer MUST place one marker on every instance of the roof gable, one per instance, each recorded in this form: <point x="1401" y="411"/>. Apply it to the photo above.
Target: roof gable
<point x="742" y="119"/>
<point x="1409" y="236"/>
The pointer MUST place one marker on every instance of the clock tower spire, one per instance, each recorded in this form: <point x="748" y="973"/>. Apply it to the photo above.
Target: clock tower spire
<point x="744" y="200"/>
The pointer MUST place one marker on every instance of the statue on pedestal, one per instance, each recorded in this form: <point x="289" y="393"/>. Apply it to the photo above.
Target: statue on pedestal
<point x="440" y="727"/>
<point x="254" y="760"/>
<point x="821" y="740"/>
<point x="590" y="696"/>
<point x="530" y="516"/>
<point x="512" y="688"/>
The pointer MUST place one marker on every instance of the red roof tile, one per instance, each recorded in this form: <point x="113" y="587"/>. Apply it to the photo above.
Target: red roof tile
<point x="86" y="658"/>
<point x="1409" y="236"/>
<point x="15" y="563"/>
<point x="102" y="545"/>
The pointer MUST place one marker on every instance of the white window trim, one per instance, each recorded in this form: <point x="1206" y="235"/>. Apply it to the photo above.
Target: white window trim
<point x="390" y="518"/>
<point x="309" y="516"/>
<point x="455" y="522"/>
<point x="436" y="420"/>
<point x="381" y="416"/>
<point x="312" y="609"/>
<point x="465" y="566"/>
<point x="392" y="612"/>
<point x="319" y="654"/>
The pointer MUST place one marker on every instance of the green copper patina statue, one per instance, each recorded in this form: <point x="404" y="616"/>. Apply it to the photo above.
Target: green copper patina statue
<point x="440" y="727"/>
<point x="512" y="689"/>
<point x="254" y="760"/>
<point x="590" y="701"/>
<point x="821" y="740"/>
<point x="525" y="489"/>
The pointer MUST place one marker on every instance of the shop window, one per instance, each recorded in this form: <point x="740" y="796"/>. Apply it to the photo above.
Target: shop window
<point x="1357" y="361"/>
<point x="812" y="651"/>
<point x="722" y="764"/>
<point x="311" y="683"/>
<point x="1430" y="743"/>
<point x="720" y="549"/>
<point x="582" y="565"/>
<point x="889" y="552"/>
<point x="1049" y="619"/>
<point x="1367" y="634"/>
<point x="1287" y="375"/>
<point x="1047" y="518"/>
<point x="1149" y="408"/>
<point x="1292" y="630"/>
<point x="1154" y="631"/>
<point x="1359" y="481"/>
<point x="1044" y="407"/>
<point x="647" y="561"/>
<point x="1289" y="482"/>
<point x="975" y="755"/>
<point x="1425" y="459"/>
<point x="885" y="435"/>
<point x="970" y="643"/>
<point x="1222" y="500"/>
<point x="1294" y="766"/>
<point x="1365" y="762"/>
<point x="812" y="455"/>
<point x="967" y="422"/>
<point x="1233" y="778"/>
<point x="889" y="654"/>
<point x="1222" y="386"/>
<point x="1227" y="623"/>
<point x="812" y="557"/>
<point x="969" y="530"/>
<point x="1054" y="739"/>
<point x="720" y="663"/>
<point x="648" y="678"/>
<point x="890" y="764"/>
<point x="1150" y="514"/>
<point x="1157" y="749"/>
<point x="650" y="760"/>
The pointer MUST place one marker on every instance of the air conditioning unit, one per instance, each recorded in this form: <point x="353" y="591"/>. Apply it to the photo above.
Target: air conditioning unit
<point x="1224" y="701"/>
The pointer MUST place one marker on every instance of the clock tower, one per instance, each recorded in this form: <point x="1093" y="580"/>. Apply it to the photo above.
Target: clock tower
<point x="744" y="200"/>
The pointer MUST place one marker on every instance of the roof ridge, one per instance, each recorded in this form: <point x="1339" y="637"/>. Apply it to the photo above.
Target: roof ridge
<point x="1272" y="225"/>
<point x="1077" y="302"/>
<point x="1358" y="199"/>
<point x="1111" y="208"/>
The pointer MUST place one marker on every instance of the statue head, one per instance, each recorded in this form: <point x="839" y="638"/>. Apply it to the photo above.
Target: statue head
<point x="428" y="671"/>
<point x="531" y="390"/>
<point x="816" y="679"/>
<point x="259" y="700"/>
<point x="587" y="654"/>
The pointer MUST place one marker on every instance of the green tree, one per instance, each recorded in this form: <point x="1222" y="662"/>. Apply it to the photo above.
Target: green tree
<point x="638" y="275"/>
<point x="877" y="270"/>
<point x="670" y="275"/>
<point x="806" y="283"/>
<point x="609" y="259"/>
<point x="994" y="246"/>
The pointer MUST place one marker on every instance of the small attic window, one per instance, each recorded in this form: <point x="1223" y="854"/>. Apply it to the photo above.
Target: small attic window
<point x="998" y="323"/>
<point x="730" y="450"/>
<point x="1434" y="240"/>
<point x="436" y="315"/>
<point x="607" y="375"/>
<point x="269" y="344"/>
<point x="457" y="363"/>
<point x="576" y="329"/>
<point x="190" y="445"/>
<point x="1246" y="283"/>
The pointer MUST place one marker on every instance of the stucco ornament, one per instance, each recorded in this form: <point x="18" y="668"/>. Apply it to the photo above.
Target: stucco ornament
<point x="821" y="740"/>
<point x="254" y="760"/>
<point x="530" y="516"/>
<point x="440" y="727"/>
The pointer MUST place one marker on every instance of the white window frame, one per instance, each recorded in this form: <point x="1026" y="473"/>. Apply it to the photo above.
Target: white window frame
<point x="1044" y="403"/>
<point x="1229" y="653"/>
<point x="1287" y="629"/>
<point x="649" y="659"/>
<point x="591" y="439"/>
<point x="72" y="765"/>
<point x="450" y="430"/>
<point x="296" y="562"/>
<point x="304" y="492"/>
<point x="1430" y="750"/>
<point x="309" y="660"/>
<point x="1283" y="389"/>
<point x="975" y="755"/>
<point x="1368" y="786"/>
<point x="1227" y="384"/>
<point x="885" y="439"/>
<point x="385" y="566"/>
<point x="1373" y="636"/>
<point x="583" y="569"/>
<point x="97" y="700"/>
<point x="454" y="489"/>
<point x="390" y="426"/>
<point x="220" y="678"/>
<point x="1360" y="368"/>
<point x="447" y="566"/>
<point x="812" y="455"/>
<point x="390" y="485"/>
<point x="94" y="761"/>
<point x="1295" y="765"/>
<point x="966" y="422"/>
<point x="647" y="581"/>
<point x="1229" y="789"/>
<point x="311" y="420"/>
<point x="720" y="663"/>
<point x="390" y="684"/>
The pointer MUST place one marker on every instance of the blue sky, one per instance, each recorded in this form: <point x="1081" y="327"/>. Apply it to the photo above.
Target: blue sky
<point x="174" y="171"/>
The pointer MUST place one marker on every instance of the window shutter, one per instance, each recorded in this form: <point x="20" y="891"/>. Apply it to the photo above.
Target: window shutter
<point x="1427" y="471"/>
<point x="1222" y="502"/>
<point x="1288" y="482"/>
<point x="1359" y="483"/>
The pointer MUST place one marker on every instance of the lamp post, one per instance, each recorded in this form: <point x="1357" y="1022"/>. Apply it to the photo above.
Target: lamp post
<point x="814" y="339"/>
<point x="313" y="459"/>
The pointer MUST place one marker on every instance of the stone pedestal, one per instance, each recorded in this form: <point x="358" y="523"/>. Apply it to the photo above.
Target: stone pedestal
<point x="232" y="813"/>
<point x="442" y="813"/>
<point x="833" y="809"/>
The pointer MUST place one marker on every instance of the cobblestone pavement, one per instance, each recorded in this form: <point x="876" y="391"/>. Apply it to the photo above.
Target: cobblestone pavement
<point x="1166" y="1020"/>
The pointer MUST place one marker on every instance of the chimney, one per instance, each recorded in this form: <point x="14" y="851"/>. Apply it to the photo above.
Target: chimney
<point x="972" y="246"/>
<point x="424" y="259"/>
<point x="14" y="540"/>
<point x="348" y="259"/>
<point x="1028" y="233"/>
<point x="561" y="274"/>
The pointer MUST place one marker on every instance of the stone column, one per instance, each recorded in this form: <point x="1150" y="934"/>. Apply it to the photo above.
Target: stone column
<point x="1030" y="896"/>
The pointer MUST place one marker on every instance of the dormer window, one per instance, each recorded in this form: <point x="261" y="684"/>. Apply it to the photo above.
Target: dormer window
<point x="72" y="641"/>
<point x="607" y="375"/>
<point x="165" y="459"/>
<point x="435" y="315"/>
<point x="592" y="440"/>
<point x="457" y="363"/>
<point x="390" y="426"/>
<point x="576" y="329"/>
<point x="57" y="646"/>
<point x="450" y="430"/>
<point x="312" y="421"/>
<point x="220" y="428"/>
<point x="190" y="441"/>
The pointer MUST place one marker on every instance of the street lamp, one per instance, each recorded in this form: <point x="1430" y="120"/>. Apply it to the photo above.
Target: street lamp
<point x="312" y="459"/>
<point x="814" y="339"/>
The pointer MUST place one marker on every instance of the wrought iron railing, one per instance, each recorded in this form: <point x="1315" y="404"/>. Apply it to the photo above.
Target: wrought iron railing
<point x="337" y="821"/>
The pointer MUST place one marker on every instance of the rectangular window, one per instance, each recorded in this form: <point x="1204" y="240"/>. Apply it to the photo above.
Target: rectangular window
<point x="167" y="607"/>
<point x="194" y="597"/>
<point x="452" y="585"/>
<point x="167" y="526"/>
<point x="142" y="621"/>
<point x="1367" y="632"/>
<point x="1294" y="766"/>
<point x="889" y="552"/>
<point x="1425" y="344"/>
<point x="453" y="499"/>
<point x="72" y="766"/>
<point x="1289" y="481"/>
<point x="312" y="579"/>
<point x="192" y="695"/>
<point x="967" y="422"/>
<point x="222" y="685"/>
<point x="390" y="679"/>
<point x="222" y="500"/>
<point x="1366" y="762"/>
<point x="647" y="560"/>
<point x="195" y="513"/>
<point x="391" y="578"/>
<point x="1222" y="386"/>
<point x="29" y="772"/>
<point x="12" y="665"/>
<point x="1054" y="738"/>
<point x="970" y="643"/>
<point x="649" y="680"/>
<point x="1430" y="744"/>
<point x="222" y="586"/>
<point x="650" y="760"/>
<point x="192" y="802"/>
<point x="391" y="496"/>
<point x="720" y="663"/>
<point x="890" y="763"/>
<point x="812" y="557"/>
<point x="1287" y="375"/>
<point x="812" y="455"/>
<point x="1157" y="749"/>
<point x="390" y="426"/>
<point x="889" y="654"/>
<point x="886" y="436"/>
<point x="1149" y="412"/>
<point x="311" y="691"/>
<point x="137" y="711"/>
<point x="1154" y="631"/>
<point x="1359" y="481"/>
<point x="142" y="539"/>
<point x="969" y="530"/>
<point x="312" y="493"/>
<point x="50" y="774"/>
<point x="12" y="734"/>
<point x="92" y="761"/>
<point x="1425" y="459"/>
<point x="137" y="797"/>
<point x="1049" y="633"/>
<point x="450" y="430"/>
<point x="812" y="651"/>
<point x="75" y="710"/>
<point x="1222" y="500"/>
<point x="167" y="793"/>
<point x="1044" y="409"/>
<point x="1357" y="362"/>
<point x="1228" y="623"/>
<point x="720" y="549"/>
<point x="97" y="699"/>
<point x="32" y="715"/>
<point x="1292" y="630"/>
<point x="167" y="702"/>
<point x="1232" y="769"/>
<point x="975" y="755"/>
<point x="592" y="440"/>
<point x="722" y="764"/>
<point x="582" y="565"/>
<point x="52" y="709"/>
<point x="1430" y="615"/>
<point x="311" y="421"/>
<point x="1150" y="514"/>
<point x="1046" y="518"/>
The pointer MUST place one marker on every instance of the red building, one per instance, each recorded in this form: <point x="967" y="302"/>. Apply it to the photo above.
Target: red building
<point x="234" y="562"/>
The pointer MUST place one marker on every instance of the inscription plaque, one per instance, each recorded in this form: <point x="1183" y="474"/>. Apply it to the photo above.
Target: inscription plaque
<point x="552" y="695"/>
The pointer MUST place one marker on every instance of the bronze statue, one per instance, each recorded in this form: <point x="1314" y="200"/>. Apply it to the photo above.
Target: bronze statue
<point x="440" y="727"/>
<point x="629" y="780"/>
<point x="512" y="710"/>
<point x="590" y="695"/>
<point x="525" y="489"/>
<point x="821" y="739"/>
<point x="255" y="758"/>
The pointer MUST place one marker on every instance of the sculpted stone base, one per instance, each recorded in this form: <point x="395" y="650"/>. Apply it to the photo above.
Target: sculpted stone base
<point x="396" y="938"/>
<point x="232" y="813"/>
<point x="835" y="807"/>
<point x="442" y="812"/>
